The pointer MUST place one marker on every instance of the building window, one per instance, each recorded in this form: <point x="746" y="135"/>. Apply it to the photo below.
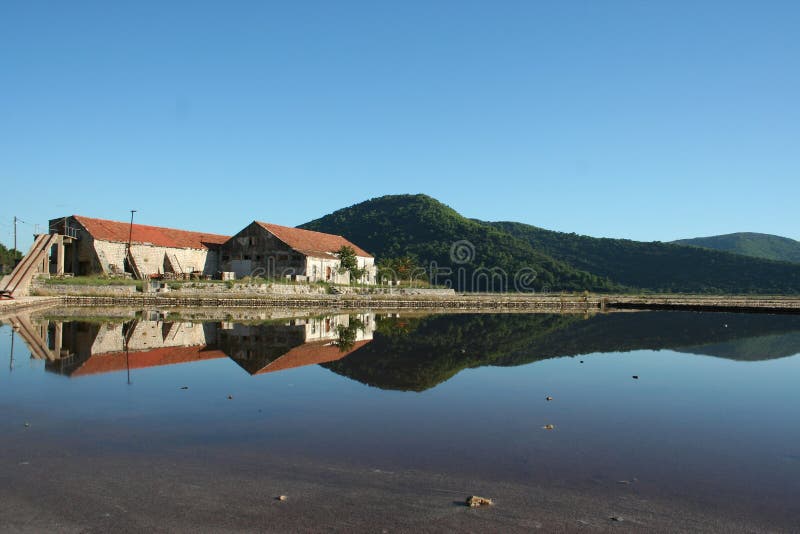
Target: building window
<point x="225" y="257"/>
<point x="246" y="257"/>
<point x="259" y="257"/>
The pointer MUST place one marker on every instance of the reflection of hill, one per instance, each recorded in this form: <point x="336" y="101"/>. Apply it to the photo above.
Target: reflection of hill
<point x="751" y="349"/>
<point x="417" y="354"/>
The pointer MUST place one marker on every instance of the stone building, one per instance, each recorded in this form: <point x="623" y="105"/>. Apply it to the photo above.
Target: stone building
<point x="88" y="246"/>
<point x="274" y="251"/>
<point x="99" y="246"/>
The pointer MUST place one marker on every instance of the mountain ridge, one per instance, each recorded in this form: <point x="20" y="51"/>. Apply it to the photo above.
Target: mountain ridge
<point x="418" y="225"/>
<point x="753" y="244"/>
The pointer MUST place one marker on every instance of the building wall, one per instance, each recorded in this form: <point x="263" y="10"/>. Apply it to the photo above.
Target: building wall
<point x="148" y="335"/>
<point x="325" y="270"/>
<point x="326" y="328"/>
<point x="80" y="254"/>
<point x="98" y="256"/>
<point x="256" y="252"/>
<point x="150" y="259"/>
<point x="371" y="274"/>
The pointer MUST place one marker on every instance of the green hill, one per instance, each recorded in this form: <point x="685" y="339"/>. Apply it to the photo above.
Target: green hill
<point x="662" y="266"/>
<point x="771" y="247"/>
<point x="397" y="225"/>
<point x="393" y="226"/>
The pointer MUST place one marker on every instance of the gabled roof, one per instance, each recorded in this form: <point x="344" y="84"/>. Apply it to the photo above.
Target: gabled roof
<point x="311" y="243"/>
<point x="142" y="234"/>
<point x="117" y="361"/>
<point x="310" y="354"/>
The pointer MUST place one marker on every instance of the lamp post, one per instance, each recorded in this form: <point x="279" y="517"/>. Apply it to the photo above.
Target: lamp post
<point x="130" y="236"/>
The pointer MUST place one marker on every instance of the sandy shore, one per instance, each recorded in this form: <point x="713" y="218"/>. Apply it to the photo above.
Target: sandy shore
<point x="56" y="488"/>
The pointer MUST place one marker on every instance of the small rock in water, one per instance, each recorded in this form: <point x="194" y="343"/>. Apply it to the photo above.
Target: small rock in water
<point x="230" y="397"/>
<point x="27" y="425"/>
<point x="636" y="377"/>
<point x="184" y="387"/>
<point x="549" y="427"/>
<point x="548" y="398"/>
<point x="616" y="518"/>
<point x="281" y="497"/>
<point x="474" y="501"/>
<point x="581" y="361"/>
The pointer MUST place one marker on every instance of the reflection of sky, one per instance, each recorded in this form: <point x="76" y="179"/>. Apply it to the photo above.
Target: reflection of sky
<point x="699" y="425"/>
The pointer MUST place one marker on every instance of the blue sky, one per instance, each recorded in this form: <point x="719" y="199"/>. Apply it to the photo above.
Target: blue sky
<point x="643" y="120"/>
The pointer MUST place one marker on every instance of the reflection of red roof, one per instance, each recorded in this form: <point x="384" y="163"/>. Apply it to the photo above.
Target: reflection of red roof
<point x="155" y="235"/>
<point x="311" y="243"/>
<point x="116" y="361"/>
<point x="310" y="354"/>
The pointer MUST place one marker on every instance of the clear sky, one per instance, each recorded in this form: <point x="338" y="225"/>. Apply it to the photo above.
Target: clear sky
<point x="644" y="120"/>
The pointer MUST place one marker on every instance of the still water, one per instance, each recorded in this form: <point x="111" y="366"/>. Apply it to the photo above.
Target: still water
<point x="701" y="407"/>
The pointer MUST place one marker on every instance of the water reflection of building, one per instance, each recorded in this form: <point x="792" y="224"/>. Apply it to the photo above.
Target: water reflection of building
<point x="78" y="348"/>
<point x="269" y="347"/>
<point x="92" y="348"/>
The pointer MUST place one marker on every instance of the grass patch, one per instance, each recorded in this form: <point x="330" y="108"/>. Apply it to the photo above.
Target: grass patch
<point x="94" y="319"/>
<point x="97" y="281"/>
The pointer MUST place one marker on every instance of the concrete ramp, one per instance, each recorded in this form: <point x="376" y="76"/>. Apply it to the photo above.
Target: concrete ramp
<point x="35" y="261"/>
<point x="34" y="336"/>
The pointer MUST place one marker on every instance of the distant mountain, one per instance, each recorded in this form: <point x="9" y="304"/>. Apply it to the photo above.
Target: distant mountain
<point x="771" y="247"/>
<point x="392" y="226"/>
<point x="660" y="266"/>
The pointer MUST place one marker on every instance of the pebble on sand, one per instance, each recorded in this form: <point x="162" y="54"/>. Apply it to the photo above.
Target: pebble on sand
<point x="474" y="501"/>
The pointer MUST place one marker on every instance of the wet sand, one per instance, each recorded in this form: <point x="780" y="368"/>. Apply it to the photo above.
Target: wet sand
<point x="58" y="488"/>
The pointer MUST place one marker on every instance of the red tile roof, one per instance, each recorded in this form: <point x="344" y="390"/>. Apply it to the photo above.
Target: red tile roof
<point x="311" y="243"/>
<point x="155" y="235"/>
<point x="117" y="361"/>
<point x="310" y="354"/>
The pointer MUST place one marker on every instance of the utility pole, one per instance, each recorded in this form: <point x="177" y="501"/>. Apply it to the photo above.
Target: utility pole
<point x="130" y="236"/>
<point x="15" y="233"/>
<point x="11" y="360"/>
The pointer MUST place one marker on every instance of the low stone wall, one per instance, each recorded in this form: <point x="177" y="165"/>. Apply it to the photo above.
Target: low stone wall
<point x="221" y="289"/>
<point x="40" y="288"/>
<point x="350" y="302"/>
<point x="27" y="304"/>
<point x="377" y="290"/>
<point x="442" y="301"/>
